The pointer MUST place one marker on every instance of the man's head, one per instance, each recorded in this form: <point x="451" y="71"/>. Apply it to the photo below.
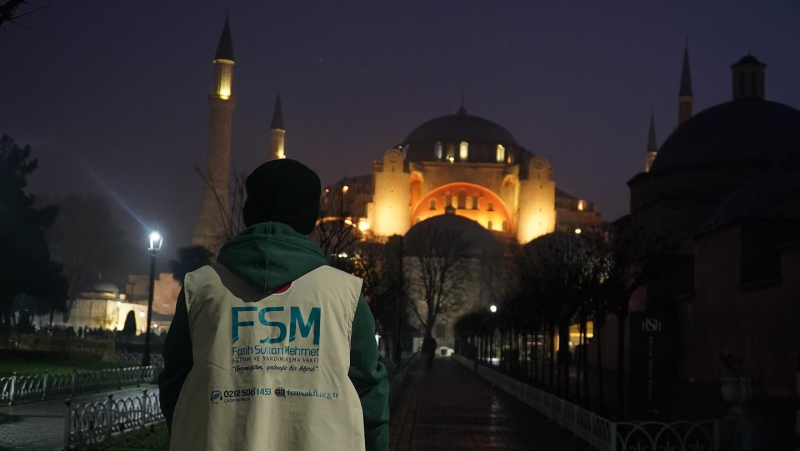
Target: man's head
<point x="283" y="191"/>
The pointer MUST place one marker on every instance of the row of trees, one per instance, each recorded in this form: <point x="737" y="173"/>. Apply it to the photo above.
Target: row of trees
<point x="52" y="249"/>
<point x="562" y="279"/>
<point x="30" y="281"/>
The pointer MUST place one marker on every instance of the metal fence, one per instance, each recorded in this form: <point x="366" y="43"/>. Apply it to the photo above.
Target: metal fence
<point x="101" y="421"/>
<point x="40" y="386"/>
<point x="601" y="433"/>
<point x="136" y="357"/>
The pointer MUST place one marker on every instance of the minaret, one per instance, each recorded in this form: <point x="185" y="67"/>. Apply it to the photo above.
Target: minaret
<point x="652" y="144"/>
<point x="685" y="95"/>
<point x="213" y="223"/>
<point x="277" y="133"/>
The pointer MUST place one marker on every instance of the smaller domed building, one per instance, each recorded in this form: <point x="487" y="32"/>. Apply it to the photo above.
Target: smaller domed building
<point x="720" y="199"/>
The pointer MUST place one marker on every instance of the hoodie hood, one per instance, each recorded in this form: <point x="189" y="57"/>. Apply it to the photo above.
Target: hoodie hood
<point x="270" y="255"/>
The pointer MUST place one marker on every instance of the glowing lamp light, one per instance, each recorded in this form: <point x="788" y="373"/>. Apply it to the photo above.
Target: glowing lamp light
<point x="493" y="308"/>
<point x="345" y="189"/>
<point x="348" y="222"/>
<point x="281" y="156"/>
<point x="156" y="240"/>
<point x="577" y="231"/>
<point x="119" y="304"/>
<point x="363" y="226"/>
<point x="580" y="205"/>
<point x="141" y="314"/>
<point x="452" y="159"/>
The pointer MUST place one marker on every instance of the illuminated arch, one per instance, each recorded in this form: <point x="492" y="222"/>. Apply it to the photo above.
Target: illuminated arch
<point x="482" y="214"/>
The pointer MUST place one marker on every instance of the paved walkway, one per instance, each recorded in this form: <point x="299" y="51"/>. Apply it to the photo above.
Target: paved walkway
<point x="451" y="408"/>
<point x="39" y="426"/>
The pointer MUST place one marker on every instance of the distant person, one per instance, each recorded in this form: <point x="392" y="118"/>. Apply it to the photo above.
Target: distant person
<point x="270" y="348"/>
<point x="429" y="349"/>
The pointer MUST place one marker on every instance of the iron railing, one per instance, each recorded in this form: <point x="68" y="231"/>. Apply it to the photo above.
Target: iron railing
<point x="602" y="433"/>
<point x="136" y="358"/>
<point x="40" y="386"/>
<point x="97" y="422"/>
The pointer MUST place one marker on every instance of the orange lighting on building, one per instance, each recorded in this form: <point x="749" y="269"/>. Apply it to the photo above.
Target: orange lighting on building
<point x="489" y="209"/>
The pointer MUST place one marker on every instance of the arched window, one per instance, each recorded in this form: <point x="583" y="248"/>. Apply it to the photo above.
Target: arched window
<point x="491" y="206"/>
<point x="448" y="200"/>
<point x="505" y="226"/>
<point x="501" y="153"/>
<point x="463" y="150"/>
<point x="510" y="159"/>
<point x="432" y="205"/>
<point x="462" y="199"/>
<point x="438" y="150"/>
<point x="476" y="202"/>
<point x="405" y="151"/>
<point x="451" y="152"/>
<point x="490" y="225"/>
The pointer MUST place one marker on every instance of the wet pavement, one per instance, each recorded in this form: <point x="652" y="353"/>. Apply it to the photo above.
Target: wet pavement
<point x="451" y="408"/>
<point x="39" y="426"/>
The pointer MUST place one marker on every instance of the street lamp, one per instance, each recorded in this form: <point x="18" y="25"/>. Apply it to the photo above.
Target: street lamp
<point x="156" y="240"/>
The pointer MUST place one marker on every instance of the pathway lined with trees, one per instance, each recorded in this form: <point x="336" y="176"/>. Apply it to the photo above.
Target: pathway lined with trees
<point x="451" y="408"/>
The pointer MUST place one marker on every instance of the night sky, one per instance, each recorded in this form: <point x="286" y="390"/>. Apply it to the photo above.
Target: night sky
<point x="112" y="95"/>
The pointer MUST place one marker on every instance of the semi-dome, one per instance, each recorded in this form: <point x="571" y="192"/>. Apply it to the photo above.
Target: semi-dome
<point x="480" y="240"/>
<point x="481" y="135"/>
<point x="744" y="133"/>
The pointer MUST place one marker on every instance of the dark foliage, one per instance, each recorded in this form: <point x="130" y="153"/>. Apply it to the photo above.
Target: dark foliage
<point x="25" y="264"/>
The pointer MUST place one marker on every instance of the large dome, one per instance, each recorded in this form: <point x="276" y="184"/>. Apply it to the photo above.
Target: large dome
<point x="482" y="136"/>
<point x="744" y="133"/>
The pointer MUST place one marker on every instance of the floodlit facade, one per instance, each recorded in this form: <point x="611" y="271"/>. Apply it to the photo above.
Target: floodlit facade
<point x="478" y="168"/>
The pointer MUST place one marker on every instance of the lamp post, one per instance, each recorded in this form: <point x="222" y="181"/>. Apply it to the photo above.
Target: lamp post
<point x="155" y="245"/>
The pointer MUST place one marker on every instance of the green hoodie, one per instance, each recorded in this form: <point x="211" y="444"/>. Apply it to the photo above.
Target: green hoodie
<point x="269" y="256"/>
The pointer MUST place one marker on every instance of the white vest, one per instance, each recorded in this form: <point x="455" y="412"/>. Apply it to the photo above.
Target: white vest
<point x="269" y="373"/>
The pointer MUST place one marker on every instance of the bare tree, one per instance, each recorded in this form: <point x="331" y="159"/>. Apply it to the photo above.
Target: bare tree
<point x="560" y="270"/>
<point x="8" y="12"/>
<point x="627" y="263"/>
<point x="438" y="271"/>
<point x="341" y="207"/>
<point x="90" y="242"/>
<point x="231" y="211"/>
